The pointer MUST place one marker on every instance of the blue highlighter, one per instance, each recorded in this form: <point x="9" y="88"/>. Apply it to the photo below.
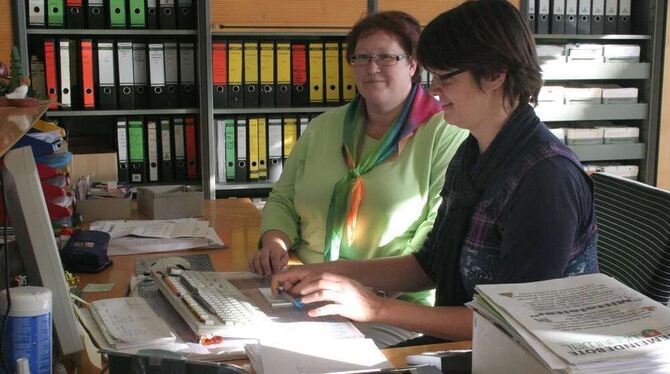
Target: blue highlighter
<point x="296" y="302"/>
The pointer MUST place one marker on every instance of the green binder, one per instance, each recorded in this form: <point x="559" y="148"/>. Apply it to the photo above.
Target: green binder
<point x="137" y="16"/>
<point x="55" y="13"/>
<point x="230" y="149"/>
<point x="117" y="13"/>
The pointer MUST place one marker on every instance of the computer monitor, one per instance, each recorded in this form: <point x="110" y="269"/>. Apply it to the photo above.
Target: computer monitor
<point x="37" y="245"/>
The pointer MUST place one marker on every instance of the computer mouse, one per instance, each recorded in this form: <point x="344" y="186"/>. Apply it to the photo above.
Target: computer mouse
<point x="163" y="264"/>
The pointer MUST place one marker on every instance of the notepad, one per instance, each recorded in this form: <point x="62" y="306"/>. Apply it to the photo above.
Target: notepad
<point x="275" y="302"/>
<point x="128" y="322"/>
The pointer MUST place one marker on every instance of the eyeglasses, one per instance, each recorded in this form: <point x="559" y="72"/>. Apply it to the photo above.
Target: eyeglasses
<point x="382" y="59"/>
<point x="446" y="76"/>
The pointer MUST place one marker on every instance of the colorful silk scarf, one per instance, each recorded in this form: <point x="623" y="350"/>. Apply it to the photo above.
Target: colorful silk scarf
<point x="348" y="192"/>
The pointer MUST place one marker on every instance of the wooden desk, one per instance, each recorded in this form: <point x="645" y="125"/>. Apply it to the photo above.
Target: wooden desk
<point x="237" y="221"/>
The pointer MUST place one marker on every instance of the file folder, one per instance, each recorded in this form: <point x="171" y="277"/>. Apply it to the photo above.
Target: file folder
<point x="262" y="149"/>
<point x="152" y="14"/>
<point x="157" y="75"/>
<point x="220" y="150"/>
<point x="241" y="167"/>
<point x="50" y="72"/>
<point x="275" y="164"/>
<point x="598" y="17"/>
<point x="65" y="82"/>
<point x="267" y="74"/>
<point x="136" y="9"/>
<point x="300" y="90"/>
<point x="543" y="16"/>
<point x="55" y="17"/>
<point x="124" y="51"/>
<point x="87" y="74"/>
<point x="235" y="92"/>
<point x="152" y="147"/>
<point x="611" y="13"/>
<point x="166" y="166"/>
<point x="332" y="82"/>
<point x="191" y="148"/>
<point x="140" y="80"/>
<point x="185" y="14"/>
<point x="74" y="14"/>
<point x="167" y="17"/>
<point x="188" y="96"/>
<point x="117" y="13"/>
<point x="558" y="17"/>
<point x="250" y="86"/>
<point x="283" y="86"/>
<point x="220" y="73"/>
<point x="290" y="135"/>
<point x="584" y="15"/>
<point x="75" y="83"/>
<point x="303" y="121"/>
<point x="138" y="172"/>
<point x="180" y="170"/>
<point x="36" y="13"/>
<point x="623" y="25"/>
<point x="316" y="95"/>
<point x="106" y="75"/>
<point x="348" y="81"/>
<point x="38" y="80"/>
<point x="231" y="160"/>
<point x="95" y="14"/>
<point x="571" y="16"/>
<point x="171" y="67"/>
<point x="528" y="8"/>
<point x="122" y="150"/>
<point x="253" y="148"/>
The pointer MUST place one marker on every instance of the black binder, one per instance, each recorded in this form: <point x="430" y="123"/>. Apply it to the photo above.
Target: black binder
<point x="179" y="135"/>
<point x="558" y="16"/>
<point x="242" y="148"/>
<point x="598" y="17"/>
<point x="528" y="8"/>
<point x="74" y="15"/>
<point x="571" y="16"/>
<point x="95" y="14"/>
<point x="152" y="14"/>
<point x="167" y="17"/>
<point x="140" y="73"/>
<point x="171" y="64"/>
<point x="623" y="26"/>
<point x="185" y="14"/>
<point x="584" y="14"/>
<point x="611" y="16"/>
<point x="166" y="168"/>
<point x="188" y="96"/>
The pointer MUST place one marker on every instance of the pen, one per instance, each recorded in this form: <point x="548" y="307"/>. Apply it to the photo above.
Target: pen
<point x="296" y="302"/>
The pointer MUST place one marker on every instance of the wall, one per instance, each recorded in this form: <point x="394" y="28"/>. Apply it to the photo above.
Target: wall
<point x="6" y="34"/>
<point x="663" y="172"/>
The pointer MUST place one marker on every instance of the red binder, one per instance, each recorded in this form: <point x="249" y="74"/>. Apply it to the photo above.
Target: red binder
<point x="300" y="92"/>
<point x="191" y="151"/>
<point x="220" y="73"/>
<point x="88" y="90"/>
<point x="50" y="71"/>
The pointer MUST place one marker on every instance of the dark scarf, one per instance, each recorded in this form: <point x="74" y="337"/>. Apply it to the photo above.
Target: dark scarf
<point x="468" y="177"/>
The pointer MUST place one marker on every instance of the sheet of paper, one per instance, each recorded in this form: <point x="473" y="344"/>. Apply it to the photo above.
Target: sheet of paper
<point x="98" y="287"/>
<point x="275" y="302"/>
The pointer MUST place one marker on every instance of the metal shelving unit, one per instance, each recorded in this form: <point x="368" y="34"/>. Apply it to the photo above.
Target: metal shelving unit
<point x="121" y="112"/>
<point x="591" y="71"/>
<point x="591" y="112"/>
<point x="137" y="32"/>
<point x="277" y="110"/>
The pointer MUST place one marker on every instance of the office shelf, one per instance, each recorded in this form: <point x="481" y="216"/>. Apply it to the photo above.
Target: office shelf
<point x="591" y="71"/>
<point x="272" y="110"/>
<point x="284" y="32"/>
<point x="610" y="152"/>
<point x="121" y="112"/>
<point x="242" y="185"/>
<point x="591" y="112"/>
<point x="590" y="37"/>
<point x="115" y="32"/>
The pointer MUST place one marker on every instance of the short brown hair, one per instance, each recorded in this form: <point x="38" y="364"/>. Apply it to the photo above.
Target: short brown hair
<point x="403" y="26"/>
<point x="484" y="37"/>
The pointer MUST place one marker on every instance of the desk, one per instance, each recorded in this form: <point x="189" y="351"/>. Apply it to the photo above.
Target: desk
<point x="237" y="221"/>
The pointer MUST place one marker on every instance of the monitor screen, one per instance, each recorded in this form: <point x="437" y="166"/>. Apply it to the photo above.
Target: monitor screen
<point x="37" y="245"/>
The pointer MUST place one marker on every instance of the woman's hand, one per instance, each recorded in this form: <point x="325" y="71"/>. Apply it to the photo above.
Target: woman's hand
<point x="273" y="256"/>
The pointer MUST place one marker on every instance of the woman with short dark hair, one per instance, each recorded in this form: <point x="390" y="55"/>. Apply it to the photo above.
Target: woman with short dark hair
<point x="517" y="206"/>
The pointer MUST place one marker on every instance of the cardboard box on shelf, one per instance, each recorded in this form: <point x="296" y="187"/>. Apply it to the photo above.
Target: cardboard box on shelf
<point x="168" y="202"/>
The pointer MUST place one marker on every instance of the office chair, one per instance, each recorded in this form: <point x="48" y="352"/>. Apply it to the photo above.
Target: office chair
<point x="634" y="234"/>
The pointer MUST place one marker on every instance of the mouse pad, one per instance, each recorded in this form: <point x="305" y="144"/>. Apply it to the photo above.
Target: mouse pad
<point x="200" y="262"/>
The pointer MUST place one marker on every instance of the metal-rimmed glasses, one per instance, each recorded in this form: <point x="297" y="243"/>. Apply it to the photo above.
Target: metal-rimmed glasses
<point x="382" y="59"/>
<point x="439" y="78"/>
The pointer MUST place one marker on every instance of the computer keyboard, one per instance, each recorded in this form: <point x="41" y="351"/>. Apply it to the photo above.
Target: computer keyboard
<point x="210" y="304"/>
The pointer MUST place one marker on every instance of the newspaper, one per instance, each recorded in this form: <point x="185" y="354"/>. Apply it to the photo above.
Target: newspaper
<point x="588" y="322"/>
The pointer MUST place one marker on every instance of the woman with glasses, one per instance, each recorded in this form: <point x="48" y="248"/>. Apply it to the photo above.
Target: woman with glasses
<point x="363" y="181"/>
<point x="517" y="206"/>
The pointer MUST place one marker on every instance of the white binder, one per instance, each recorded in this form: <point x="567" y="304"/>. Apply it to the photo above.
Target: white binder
<point x="156" y="68"/>
<point x="152" y="143"/>
<point x="122" y="146"/>
<point x="126" y="75"/>
<point x="304" y="121"/>
<point x="36" y="13"/>
<point x="220" y="150"/>
<point x="65" y="84"/>
<point x="274" y="149"/>
<point x="106" y="77"/>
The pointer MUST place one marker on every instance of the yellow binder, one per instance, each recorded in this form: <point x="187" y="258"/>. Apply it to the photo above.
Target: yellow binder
<point x="251" y="74"/>
<point x="262" y="148"/>
<point x="290" y="134"/>
<point x="316" y="73"/>
<point x="348" y="81"/>
<point x="283" y="87"/>
<point x="332" y="85"/>
<point x="253" y="148"/>
<point x="235" y="95"/>
<point x="267" y="94"/>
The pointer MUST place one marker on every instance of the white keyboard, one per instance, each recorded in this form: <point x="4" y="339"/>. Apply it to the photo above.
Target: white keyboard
<point x="210" y="304"/>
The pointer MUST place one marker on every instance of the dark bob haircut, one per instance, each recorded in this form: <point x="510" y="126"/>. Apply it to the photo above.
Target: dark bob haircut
<point x="405" y="28"/>
<point x="484" y="37"/>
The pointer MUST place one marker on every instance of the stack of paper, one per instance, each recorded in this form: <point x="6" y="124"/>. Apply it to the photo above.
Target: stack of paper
<point x="583" y="324"/>
<point x="300" y="356"/>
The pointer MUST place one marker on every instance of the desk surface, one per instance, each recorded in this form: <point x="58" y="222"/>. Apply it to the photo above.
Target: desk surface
<point x="237" y="222"/>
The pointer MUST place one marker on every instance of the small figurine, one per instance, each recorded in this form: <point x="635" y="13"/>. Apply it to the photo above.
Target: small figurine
<point x="21" y="91"/>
